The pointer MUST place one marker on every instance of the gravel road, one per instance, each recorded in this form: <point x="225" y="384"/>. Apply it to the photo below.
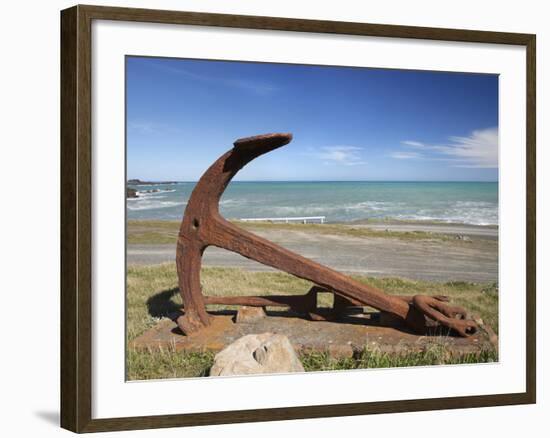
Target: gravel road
<point x="474" y="259"/>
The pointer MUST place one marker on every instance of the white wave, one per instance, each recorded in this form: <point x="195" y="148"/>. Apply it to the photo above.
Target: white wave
<point x="471" y="218"/>
<point x="373" y="205"/>
<point x="475" y="213"/>
<point x="360" y="208"/>
<point x="156" y="193"/>
<point x="232" y="202"/>
<point x="147" y="204"/>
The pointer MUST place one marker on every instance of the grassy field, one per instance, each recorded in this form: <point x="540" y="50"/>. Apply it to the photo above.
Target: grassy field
<point x="152" y="294"/>
<point x="160" y="232"/>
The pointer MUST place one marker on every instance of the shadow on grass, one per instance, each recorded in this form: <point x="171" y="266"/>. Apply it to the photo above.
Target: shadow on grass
<point x="161" y="305"/>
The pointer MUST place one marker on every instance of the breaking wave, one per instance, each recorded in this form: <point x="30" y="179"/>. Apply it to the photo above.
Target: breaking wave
<point x="467" y="203"/>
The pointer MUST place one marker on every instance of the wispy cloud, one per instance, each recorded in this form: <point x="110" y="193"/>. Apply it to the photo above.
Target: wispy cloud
<point x="261" y="88"/>
<point x="141" y="127"/>
<point x="149" y="127"/>
<point x="405" y="155"/>
<point x="414" y="144"/>
<point x="341" y="155"/>
<point x="478" y="150"/>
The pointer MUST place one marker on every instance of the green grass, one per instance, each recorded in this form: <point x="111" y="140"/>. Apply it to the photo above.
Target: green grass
<point x="166" y="232"/>
<point x="167" y="364"/>
<point x="152" y="232"/>
<point x="368" y="358"/>
<point x="152" y="294"/>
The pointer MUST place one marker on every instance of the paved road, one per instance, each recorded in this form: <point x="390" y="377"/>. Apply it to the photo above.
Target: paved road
<point x="475" y="260"/>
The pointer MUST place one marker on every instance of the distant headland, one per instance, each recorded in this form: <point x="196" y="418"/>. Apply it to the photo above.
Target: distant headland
<point x="134" y="182"/>
<point x="131" y="192"/>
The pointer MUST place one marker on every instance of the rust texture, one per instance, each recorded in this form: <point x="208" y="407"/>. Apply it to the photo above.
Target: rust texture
<point x="202" y="226"/>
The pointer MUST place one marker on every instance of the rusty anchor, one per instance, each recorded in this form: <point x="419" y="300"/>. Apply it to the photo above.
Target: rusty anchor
<point x="202" y="226"/>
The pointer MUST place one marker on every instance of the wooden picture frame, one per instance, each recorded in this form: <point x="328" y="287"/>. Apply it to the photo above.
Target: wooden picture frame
<point x="76" y="217"/>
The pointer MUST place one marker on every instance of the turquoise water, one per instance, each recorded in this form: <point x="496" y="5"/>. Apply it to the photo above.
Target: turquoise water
<point x="460" y="202"/>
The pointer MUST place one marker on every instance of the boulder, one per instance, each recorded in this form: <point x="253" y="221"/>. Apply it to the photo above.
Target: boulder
<point x="131" y="193"/>
<point x="265" y="353"/>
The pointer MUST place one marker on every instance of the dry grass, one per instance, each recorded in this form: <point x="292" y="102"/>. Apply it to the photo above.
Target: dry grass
<point x="166" y="232"/>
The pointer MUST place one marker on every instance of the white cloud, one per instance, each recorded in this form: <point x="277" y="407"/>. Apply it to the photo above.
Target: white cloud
<point x="341" y="155"/>
<point x="478" y="150"/>
<point x="414" y="144"/>
<point x="153" y="128"/>
<point x="405" y="155"/>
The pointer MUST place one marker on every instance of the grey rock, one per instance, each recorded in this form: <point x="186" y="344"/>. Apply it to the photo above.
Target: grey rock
<point x="131" y="193"/>
<point x="265" y="353"/>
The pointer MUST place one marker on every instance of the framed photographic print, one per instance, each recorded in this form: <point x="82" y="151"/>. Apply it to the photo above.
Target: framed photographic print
<point x="262" y="215"/>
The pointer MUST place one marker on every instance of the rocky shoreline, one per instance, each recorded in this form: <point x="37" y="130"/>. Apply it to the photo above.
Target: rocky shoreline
<point x="140" y="182"/>
<point x="131" y="193"/>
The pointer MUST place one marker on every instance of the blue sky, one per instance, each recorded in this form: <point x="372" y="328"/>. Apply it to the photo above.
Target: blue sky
<point x="348" y="123"/>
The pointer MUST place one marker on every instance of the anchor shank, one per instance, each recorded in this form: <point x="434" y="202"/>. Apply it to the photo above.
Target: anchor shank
<point x="232" y="238"/>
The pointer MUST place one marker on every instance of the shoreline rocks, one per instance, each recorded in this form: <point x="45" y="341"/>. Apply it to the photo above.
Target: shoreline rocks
<point x="131" y="193"/>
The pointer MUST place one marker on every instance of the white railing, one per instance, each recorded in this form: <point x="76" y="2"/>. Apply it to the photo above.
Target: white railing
<point x="286" y="220"/>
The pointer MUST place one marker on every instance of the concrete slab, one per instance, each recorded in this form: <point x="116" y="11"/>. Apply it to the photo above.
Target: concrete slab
<point x="340" y="339"/>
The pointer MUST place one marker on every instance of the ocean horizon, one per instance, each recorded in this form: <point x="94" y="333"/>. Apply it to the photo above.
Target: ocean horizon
<point x="474" y="202"/>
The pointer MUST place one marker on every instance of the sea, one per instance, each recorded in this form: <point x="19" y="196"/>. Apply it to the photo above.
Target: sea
<point x="473" y="203"/>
